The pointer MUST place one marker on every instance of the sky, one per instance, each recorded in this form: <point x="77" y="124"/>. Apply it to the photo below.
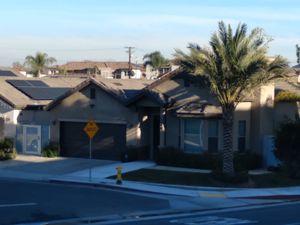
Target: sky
<point x="72" y="30"/>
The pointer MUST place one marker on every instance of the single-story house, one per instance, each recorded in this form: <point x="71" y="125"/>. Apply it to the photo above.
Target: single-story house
<point x="176" y="110"/>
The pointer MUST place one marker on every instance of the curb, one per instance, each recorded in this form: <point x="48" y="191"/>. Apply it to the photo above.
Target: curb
<point x="198" y="193"/>
<point x="109" y="186"/>
<point x="273" y="197"/>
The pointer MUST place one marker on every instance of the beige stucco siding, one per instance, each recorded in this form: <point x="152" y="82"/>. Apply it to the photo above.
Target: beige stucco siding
<point x="262" y="116"/>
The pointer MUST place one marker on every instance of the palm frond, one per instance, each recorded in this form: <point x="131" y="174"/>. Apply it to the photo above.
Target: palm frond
<point x="234" y="63"/>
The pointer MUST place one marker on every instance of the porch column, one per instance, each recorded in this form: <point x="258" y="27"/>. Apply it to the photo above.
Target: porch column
<point x="162" y="129"/>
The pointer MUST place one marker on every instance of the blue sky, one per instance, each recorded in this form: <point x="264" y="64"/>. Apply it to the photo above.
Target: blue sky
<point x="98" y="30"/>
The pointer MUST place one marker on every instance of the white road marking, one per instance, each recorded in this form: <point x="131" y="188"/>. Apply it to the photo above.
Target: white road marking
<point x="212" y="220"/>
<point x="18" y="205"/>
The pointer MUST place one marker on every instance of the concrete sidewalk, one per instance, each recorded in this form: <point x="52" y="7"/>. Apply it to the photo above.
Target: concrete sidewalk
<point x="100" y="174"/>
<point x="40" y="168"/>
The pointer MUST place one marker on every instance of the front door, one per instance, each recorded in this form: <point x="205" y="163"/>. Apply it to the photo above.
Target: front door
<point x="156" y="135"/>
<point x="32" y="140"/>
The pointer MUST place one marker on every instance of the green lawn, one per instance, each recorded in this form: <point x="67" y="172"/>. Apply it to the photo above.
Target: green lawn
<point x="201" y="179"/>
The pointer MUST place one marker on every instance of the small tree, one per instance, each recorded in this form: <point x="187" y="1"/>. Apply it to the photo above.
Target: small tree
<point x="38" y="62"/>
<point x="156" y="60"/>
<point x="287" y="146"/>
<point x="235" y="63"/>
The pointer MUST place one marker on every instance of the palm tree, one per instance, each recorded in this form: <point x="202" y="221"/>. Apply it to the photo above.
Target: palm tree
<point x="39" y="62"/>
<point x="156" y="60"/>
<point x="235" y="64"/>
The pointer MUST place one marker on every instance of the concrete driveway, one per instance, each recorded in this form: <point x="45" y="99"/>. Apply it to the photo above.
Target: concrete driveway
<point x="36" y="167"/>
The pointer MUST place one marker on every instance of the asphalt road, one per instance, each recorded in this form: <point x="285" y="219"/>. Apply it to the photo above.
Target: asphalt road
<point x="287" y="214"/>
<point x="22" y="201"/>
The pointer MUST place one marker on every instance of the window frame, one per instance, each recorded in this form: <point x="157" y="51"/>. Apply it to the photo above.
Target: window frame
<point x="200" y="147"/>
<point x="213" y="138"/>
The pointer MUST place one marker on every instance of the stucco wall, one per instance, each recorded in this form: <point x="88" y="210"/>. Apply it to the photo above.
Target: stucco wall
<point x="262" y="116"/>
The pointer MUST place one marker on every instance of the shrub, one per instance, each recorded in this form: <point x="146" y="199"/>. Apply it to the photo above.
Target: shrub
<point x="12" y="154"/>
<point x="238" y="178"/>
<point x="247" y="161"/>
<point x="287" y="96"/>
<point x="51" y="150"/>
<point x="7" y="143"/>
<point x="134" y="153"/>
<point x="170" y="156"/>
<point x="2" y="155"/>
<point x="287" y="146"/>
<point x="7" y="150"/>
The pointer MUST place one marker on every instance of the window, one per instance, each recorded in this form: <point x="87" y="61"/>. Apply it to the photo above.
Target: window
<point x="192" y="136"/>
<point x="92" y="93"/>
<point x="242" y="135"/>
<point x="213" y="134"/>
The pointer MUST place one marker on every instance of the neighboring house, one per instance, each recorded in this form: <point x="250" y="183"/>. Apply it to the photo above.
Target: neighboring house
<point x="176" y="110"/>
<point x="13" y="101"/>
<point x="20" y="69"/>
<point x="153" y="74"/>
<point x="10" y="72"/>
<point x="118" y="70"/>
<point x="8" y="115"/>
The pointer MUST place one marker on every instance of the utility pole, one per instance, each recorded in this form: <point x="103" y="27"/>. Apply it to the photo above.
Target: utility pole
<point x="298" y="53"/>
<point x="129" y="51"/>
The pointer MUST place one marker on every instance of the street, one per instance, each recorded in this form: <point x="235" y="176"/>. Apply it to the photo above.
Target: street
<point x="282" y="214"/>
<point x="23" y="202"/>
<point x="27" y="202"/>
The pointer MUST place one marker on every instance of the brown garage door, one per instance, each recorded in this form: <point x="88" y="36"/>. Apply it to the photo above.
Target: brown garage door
<point x="108" y="143"/>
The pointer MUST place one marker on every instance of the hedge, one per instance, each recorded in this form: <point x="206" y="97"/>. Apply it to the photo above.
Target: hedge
<point x="51" y="150"/>
<point x="169" y="156"/>
<point x="7" y="150"/>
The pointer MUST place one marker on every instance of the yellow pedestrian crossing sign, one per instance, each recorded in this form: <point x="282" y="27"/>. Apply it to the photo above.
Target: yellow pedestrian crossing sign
<point x="91" y="128"/>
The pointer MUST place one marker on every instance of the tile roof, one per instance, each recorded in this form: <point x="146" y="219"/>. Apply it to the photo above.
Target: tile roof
<point x="199" y="109"/>
<point x="297" y="67"/>
<point x="291" y="84"/>
<point x="122" y="90"/>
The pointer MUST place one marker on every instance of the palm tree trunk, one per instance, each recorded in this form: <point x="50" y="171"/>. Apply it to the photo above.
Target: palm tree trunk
<point x="228" y="167"/>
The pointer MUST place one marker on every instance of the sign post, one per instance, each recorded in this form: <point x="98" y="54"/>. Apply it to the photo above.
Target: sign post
<point x="91" y="130"/>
